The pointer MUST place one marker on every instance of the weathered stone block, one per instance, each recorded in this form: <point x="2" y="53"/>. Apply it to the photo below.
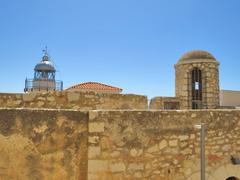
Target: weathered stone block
<point x="162" y="144"/>
<point x="95" y="166"/>
<point x="29" y="97"/>
<point x="93" y="139"/>
<point x="105" y="143"/>
<point x="183" y="137"/>
<point x="173" y="143"/>
<point x="136" y="166"/>
<point x="96" y="127"/>
<point x="192" y="136"/>
<point x="115" y="154"/>
<point x="153" y="149"/>
<point x="73" y="96"/>
<point x="136" y="152"/>
<point x="93" y="151"/>
<point x="137" y="175"/>
<point x="50" y="98"/>
<point x="117" y="167"/>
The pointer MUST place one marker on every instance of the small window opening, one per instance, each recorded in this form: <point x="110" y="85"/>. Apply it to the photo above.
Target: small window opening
<point x="196" y="88"/>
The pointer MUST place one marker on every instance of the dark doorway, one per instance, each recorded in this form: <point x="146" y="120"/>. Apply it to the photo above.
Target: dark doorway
<point x="232" y="178"/>
<point x="196" y="88"/>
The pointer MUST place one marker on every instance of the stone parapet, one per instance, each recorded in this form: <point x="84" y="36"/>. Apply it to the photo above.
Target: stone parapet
<point x="166" y="103"/>
<point x="73" y="100"/>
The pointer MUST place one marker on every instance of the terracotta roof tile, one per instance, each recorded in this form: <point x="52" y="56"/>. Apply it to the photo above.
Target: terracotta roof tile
<point x="94" y="86"/>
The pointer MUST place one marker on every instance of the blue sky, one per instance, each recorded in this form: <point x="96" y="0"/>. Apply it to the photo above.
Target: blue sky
<point x="132" y="44"/>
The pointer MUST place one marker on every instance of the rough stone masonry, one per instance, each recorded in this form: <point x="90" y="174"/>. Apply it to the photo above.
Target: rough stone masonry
<point x="118" y="144"/>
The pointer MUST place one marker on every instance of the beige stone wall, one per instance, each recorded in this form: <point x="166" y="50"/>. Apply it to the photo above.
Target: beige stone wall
<point x="43" y="144"/>
<point x="165" y="103"/>
<point x="162" y="144"/>
<point x="229" y="98"/>
<point x="110" y="145"/>
<point x="210" y="84"/>
<point x="73" y="100"/>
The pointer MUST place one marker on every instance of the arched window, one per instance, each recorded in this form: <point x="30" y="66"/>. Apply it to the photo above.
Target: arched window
<point x="196" y="88"/>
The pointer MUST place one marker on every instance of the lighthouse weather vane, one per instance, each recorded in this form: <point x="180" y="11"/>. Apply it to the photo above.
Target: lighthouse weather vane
<point x="45" y="50"/>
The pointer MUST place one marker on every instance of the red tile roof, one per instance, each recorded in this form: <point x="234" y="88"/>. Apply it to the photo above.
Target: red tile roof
<point x="94" y="86"/>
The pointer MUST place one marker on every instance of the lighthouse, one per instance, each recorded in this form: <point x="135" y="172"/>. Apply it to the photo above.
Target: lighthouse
<point x="44" y="77"/>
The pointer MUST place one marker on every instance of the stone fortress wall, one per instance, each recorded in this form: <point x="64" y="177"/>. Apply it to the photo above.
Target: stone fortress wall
<point x="117" y="144"/>
<point x="162" y="144"/>
<point x="73" y="100"/>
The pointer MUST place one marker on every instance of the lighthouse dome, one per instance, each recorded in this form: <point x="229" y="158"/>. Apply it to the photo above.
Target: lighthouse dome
<point x="45" y="65"/>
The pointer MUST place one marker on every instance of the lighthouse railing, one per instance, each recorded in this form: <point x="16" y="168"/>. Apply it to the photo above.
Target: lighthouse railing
<point x="43" y="85"/>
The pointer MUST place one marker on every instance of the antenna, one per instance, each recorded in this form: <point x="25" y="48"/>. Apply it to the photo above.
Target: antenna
<point x="45" y="51"/>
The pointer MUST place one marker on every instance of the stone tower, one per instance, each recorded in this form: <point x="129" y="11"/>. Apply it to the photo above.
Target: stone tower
<point x="197" y="80"/>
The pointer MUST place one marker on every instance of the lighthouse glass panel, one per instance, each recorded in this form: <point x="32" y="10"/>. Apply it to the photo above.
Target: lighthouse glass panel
<point x="41" y="75"/>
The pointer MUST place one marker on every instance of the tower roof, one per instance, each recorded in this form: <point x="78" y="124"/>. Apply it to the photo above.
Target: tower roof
<point x="95" y="86"/>
<point x="45" y="64"/>
<point x="197" y="56"/>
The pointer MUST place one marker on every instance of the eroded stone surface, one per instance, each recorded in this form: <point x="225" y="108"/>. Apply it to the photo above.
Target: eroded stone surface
<point x="60" y="144"/>
<point x="164" y="144"/>
<point x="34" y="144"/>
